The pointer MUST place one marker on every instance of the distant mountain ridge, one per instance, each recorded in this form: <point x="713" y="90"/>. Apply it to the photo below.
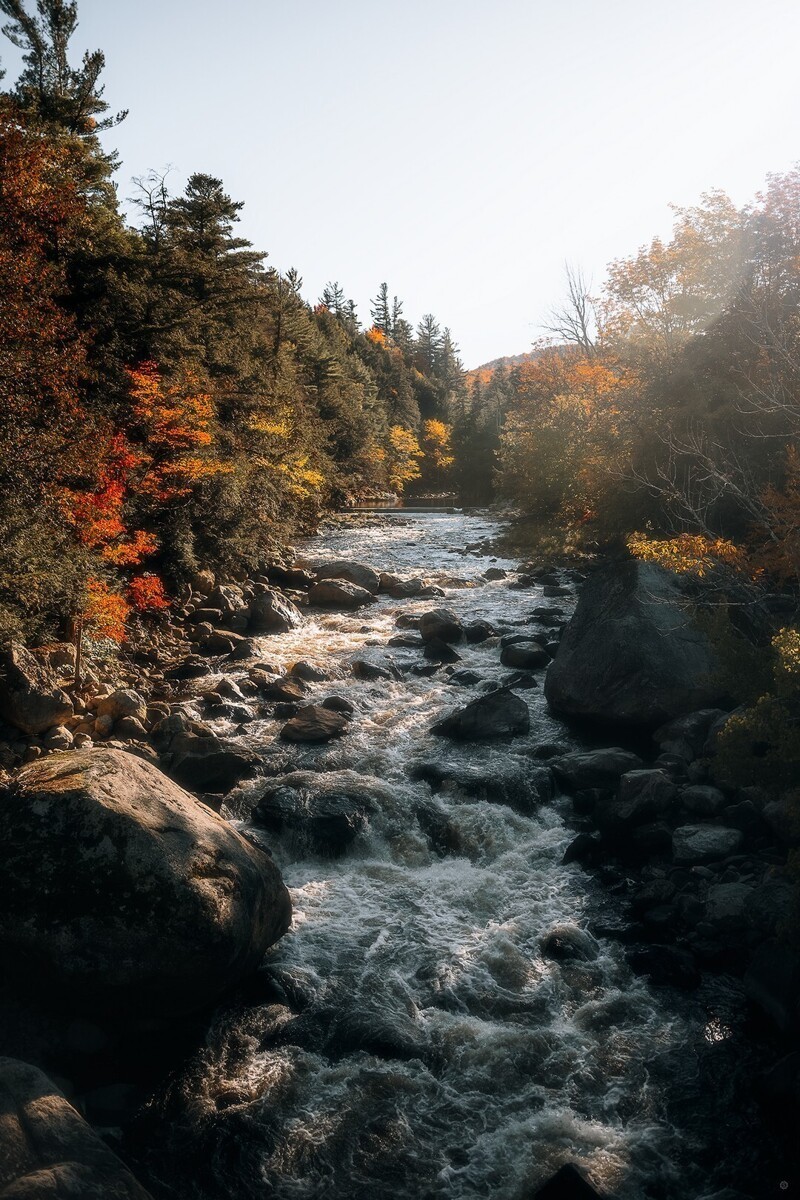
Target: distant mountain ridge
<point x="486" y="370"/>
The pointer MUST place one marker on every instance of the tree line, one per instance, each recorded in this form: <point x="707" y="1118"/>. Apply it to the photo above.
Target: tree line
<point x="168" y="400"/>
<point x="661" y="419"/>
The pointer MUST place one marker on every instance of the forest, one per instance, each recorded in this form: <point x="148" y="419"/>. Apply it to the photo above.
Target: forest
<point x="171" y="402"/>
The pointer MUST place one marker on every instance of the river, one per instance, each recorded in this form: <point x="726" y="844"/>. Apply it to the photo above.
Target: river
<point x="408" y="1038"/>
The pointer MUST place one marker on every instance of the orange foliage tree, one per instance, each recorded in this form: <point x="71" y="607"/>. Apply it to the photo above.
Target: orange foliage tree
<point x="44" y="432"/>
<point x="569" y="430"/>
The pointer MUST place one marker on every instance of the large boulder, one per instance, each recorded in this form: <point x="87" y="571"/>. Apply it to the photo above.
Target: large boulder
<point x="704" y="843"/>
<point x="497" y="714"/>
<point x="354" y="572"/>
<point x="643" y="796"/>
<point x="49" y="1152"/>
<point x="270" y="612"/>
<point x="322" y="814"/>
<point x="514" y="781"/>
<point x="204" y="762"/>
<point x="594" y="768"/>
<point x="124" y="702"/>
<point x="524" y="655"/>
<point x="339" y="593"/>
<point x="122" y="892"/>
<point x="30" y="698"/>
<point x="632" y="652"/>
<point x="315" y="723"/>
<point x="442" y="624"/>
<point x="228" y="598"/>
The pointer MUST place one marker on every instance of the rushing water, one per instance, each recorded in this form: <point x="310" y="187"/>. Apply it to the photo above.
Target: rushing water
<point x="407" y="1038"/>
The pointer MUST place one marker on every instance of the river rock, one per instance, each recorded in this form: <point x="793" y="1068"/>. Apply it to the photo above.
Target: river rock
<point x="339" y="704"/>
<point x="440" y="623"/>
<point x="192" y="667"/>
<point x="130" y="729"/>
<point x="631" y="653"/>
<point x="692" y="729"/>
<point x="123" y="893"/>
<point x="401" y="589"/>
<point x="704" y="843"/>
<point x="207" y="617"/>
<point x="566" y="943"/>
<point x="643" y="796"/>
<point x="594" y="768"/>
<point x="314" y="723"/>
<point x="727" y="906"/>
<point x="497" y="714"/>
<point x="479" y="631"/>
<point x="49" y="1151"/>
<point x="511" y="781"/>
<point x="406" y="641"/>
<point x="524" y="655"/>
<point x="308" y="672"/>
<point x="703" y="800"/>
<point x="124" y="702"/>
<point x="270" y="612"/>
<point x="228" y="598"/>
<point x="568" y="1183"/>
<point x="339" y="593"/>
<point x="30" y="698"/>
<point x="284" y="690"/>
<point x="201" y="761"/>
<point x="374" y="667"/>
<point x="437" y="650"/>
<point x="354" y="572"/>
<point x="219" y="641"/>
<point x="326" y="820"/>
<point x="58" y="738"/>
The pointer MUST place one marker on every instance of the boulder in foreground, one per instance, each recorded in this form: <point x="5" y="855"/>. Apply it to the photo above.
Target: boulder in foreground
<point x="498" y="714"/>
<point x="631" y="653"/>
<point x="49" y="1152"/>
<point x="122" y="892"/>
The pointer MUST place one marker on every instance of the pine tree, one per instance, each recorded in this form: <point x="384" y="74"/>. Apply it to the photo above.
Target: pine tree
<point x="381" y="312"/>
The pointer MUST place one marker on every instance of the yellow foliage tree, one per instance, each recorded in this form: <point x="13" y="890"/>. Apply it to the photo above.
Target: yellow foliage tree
<point x="403" y="454"/>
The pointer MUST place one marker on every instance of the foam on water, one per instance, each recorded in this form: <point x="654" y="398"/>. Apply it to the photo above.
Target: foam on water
<point x="412" y="1041"/>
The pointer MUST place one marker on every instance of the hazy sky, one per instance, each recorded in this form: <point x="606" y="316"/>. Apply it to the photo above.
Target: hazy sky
<point x="459" y="149"/>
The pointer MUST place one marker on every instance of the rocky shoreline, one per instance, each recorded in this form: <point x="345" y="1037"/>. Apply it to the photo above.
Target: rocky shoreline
<point x="118" y="761"/>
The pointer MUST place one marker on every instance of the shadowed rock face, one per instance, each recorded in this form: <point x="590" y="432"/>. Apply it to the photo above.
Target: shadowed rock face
<point x="30" y="698"/>
<point x="123" y="892"/>
<point x="49" y="1152"/>
<point x="631" y="653"/>
<point x="498" y="714"/>
<point x="272" y="613"/>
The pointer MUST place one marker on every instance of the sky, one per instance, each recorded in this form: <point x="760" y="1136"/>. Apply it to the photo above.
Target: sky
<point x="461" y="150"/>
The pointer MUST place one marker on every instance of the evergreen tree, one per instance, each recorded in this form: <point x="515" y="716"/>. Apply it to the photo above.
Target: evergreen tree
<point x="381" y="312"/>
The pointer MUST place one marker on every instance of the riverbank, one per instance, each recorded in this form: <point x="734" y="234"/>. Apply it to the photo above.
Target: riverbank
<point x="467" y="998"/>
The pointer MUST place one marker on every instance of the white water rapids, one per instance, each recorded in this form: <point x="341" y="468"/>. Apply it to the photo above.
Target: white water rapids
<point x="410" y="1039"/>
